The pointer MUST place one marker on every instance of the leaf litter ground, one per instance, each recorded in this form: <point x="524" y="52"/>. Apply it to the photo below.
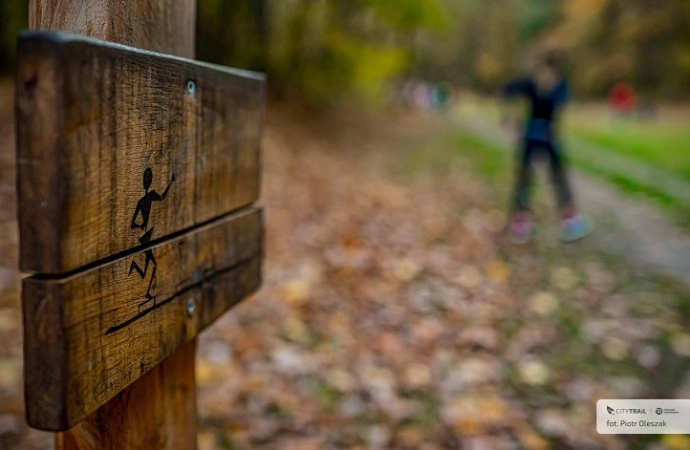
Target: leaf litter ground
<point x="394" y="315"/>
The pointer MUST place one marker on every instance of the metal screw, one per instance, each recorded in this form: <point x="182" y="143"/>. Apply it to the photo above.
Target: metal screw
<point x="191" y="87"/>
<point x="191" y="306"/>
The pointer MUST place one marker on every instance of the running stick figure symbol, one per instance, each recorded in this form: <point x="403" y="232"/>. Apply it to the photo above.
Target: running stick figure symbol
<point x="144" y="210"/>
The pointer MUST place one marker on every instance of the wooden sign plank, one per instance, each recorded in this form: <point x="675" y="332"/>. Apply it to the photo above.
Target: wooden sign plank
<point x="110" y="136"/>
<point x="97" y="331"/>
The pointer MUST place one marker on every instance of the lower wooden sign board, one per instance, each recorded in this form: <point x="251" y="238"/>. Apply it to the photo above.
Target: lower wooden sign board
<point x="91" y="334"/>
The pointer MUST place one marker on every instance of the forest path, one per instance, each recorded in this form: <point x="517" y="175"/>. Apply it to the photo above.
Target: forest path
<point x="626" y="226"/>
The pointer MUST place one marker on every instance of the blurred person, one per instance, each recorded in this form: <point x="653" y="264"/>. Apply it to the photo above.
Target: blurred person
<point x="422" y="95"/>
<point x="442" y="96"/>
<point x="622" y="100"/>
<point x="546" y="92"/>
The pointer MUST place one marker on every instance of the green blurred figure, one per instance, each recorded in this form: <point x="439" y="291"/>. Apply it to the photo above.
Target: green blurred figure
<point x="442" y="95"/>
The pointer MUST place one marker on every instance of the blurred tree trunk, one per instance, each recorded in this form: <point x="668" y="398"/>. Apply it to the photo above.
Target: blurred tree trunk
<point x="13" y="18"/>
<point x="234" y="33"/>
<point x="259" y="13"/>
<point x="653" y="34"/>
<point x="300" y="47"/>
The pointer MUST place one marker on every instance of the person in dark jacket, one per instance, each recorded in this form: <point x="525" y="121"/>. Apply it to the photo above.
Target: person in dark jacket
<point x="547" y="93"/>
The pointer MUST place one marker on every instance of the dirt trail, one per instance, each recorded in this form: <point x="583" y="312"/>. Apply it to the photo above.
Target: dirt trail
<point x="625" y="226"/>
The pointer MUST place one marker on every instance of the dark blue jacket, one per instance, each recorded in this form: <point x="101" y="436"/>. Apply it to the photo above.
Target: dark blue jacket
<point x="543" y="108"/>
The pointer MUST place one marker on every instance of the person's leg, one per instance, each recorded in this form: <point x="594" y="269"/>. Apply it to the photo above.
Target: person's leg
<point x="523" y="178"/>
<point x="520" y="227"/>
<point x="573" y="225"/>
<point x="559" y="178"/>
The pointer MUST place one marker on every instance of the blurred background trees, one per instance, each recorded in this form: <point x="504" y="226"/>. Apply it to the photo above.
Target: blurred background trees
<point x="323" y="48"/>
<point x="318" y="47"/>
<point x="13" y="18"/>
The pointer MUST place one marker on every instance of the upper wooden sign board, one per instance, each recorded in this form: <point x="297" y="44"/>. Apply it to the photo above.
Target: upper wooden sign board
<point x="110" y="136"/>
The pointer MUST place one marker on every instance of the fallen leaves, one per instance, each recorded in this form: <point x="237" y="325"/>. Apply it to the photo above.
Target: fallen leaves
<point x="476" y="414"/>
<point x="470" y="277"/>
<point x="680" y="343"/>
<point x="533" y="372"/>
<point x="471" y="372"/>
<point x="296" y="292"/>
<point x="417" y="376"/>
<point x="648" y="356"/>
<point x="393" y="316"/>
<point x="676" y="442"/>
<point x="406" y="270"/>
<point x="531" y="440"/>
<point x="615" y="348"/>
<point x="479" y="337"/>
<point x="543" y="303"/>
<point x="497" y="272"/>
<point x="564" y="278"/>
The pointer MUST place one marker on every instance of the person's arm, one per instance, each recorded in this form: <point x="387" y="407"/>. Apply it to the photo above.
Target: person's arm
<point x="516" y="88"/>
<point x="562" y="95"/>
<point x="509" y="107"/>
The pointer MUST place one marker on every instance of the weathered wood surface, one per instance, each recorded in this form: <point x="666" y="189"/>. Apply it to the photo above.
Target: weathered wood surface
<point x="158" y="409"/>
<point x="108" y="134"/>
<point x="94" y="333"/>
<point x="146" y="415"/>
<point x="165" y="26"/>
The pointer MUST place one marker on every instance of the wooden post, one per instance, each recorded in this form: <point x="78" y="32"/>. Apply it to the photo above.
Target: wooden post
<point x="167" y="26"/>
<point x="109" y="353"/>
<point x="164" y="26"/>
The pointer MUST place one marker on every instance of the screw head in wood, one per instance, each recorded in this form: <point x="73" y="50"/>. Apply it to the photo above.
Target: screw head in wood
<point x="191" y="87"/>
<point x="191" y="306"/>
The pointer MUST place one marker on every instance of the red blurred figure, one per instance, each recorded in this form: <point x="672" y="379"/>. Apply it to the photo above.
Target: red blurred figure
<point x="622" y="99"/>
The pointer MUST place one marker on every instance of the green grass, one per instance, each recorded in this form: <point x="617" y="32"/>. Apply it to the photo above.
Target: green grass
<point x="661" y="145"/>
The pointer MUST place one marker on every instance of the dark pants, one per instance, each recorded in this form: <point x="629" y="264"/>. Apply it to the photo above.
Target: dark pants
<point x="531" y="148"/>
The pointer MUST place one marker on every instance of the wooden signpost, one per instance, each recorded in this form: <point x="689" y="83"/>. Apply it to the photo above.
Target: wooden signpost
<point x="138" y="174"/>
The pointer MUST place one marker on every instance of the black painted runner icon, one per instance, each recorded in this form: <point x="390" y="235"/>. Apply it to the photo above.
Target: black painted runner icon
<point x="144" y="210"/>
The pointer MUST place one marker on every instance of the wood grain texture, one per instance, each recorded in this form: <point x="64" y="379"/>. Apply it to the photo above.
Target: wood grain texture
<point x="39" y="130"/>
<point x="166" y="26"/>
<point x="93" y="117"/>
<point x="92" y="334"/>
<point x="146" y="415"/>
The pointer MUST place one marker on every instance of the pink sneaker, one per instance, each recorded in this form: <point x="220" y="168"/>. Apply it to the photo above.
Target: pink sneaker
<point x="520" y="229"/>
